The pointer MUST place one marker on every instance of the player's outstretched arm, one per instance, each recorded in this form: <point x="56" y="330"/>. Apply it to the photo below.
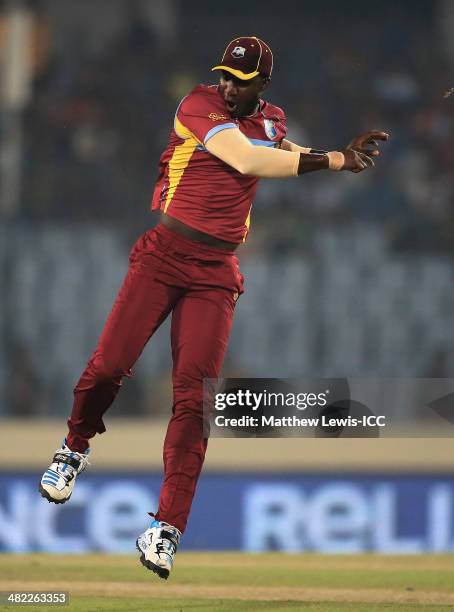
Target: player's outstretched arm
<point x="234" y="149"/>
<point x="357" y="156"/>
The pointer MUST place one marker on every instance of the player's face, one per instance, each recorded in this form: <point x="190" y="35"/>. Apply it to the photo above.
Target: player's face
<point x="241" y="97"/>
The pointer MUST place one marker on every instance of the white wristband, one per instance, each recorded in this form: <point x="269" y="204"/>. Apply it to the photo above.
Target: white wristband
<point x="336" y="160"/>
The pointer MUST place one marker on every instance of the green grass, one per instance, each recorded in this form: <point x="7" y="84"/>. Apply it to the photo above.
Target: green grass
<point x="93" y="604"/>
<point x="226" y="581"/>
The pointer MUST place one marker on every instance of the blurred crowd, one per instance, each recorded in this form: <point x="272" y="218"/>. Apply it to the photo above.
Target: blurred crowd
<point x="100" y="115"/>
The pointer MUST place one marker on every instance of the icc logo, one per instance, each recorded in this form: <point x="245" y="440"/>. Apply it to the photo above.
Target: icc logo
<point x="238" y="52"/>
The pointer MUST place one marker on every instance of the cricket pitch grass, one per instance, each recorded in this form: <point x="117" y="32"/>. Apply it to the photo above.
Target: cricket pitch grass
<point x="236" y="581"/>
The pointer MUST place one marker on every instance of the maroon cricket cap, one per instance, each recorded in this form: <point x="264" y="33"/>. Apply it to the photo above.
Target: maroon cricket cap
<point x="246" y="57"/>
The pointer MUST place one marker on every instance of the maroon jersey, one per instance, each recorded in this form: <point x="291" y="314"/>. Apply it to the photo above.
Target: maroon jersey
<point x="198" y="188"/>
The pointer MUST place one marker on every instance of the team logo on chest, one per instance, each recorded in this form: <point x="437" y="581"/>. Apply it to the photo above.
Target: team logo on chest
<point x="270" y="130"/>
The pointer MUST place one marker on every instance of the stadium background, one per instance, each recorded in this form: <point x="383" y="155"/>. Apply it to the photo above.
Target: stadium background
<point x="345" y="275"/>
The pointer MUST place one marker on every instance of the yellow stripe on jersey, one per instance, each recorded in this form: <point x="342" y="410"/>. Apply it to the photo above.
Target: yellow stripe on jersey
<point x="248" y="223"/>
<point x="183" y="131"/>
<point x="180" y="159"/>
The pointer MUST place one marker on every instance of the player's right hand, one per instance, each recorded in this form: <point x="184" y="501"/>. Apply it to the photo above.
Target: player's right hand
<point x="356" y="161"/>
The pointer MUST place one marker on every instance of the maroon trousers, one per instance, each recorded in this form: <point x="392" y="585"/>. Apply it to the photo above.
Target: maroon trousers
<point x="199" y="285"/>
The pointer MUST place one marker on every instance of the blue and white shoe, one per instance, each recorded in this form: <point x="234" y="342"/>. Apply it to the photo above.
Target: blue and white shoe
<point x="58" y="480"/>
<point x="158" y="545"/>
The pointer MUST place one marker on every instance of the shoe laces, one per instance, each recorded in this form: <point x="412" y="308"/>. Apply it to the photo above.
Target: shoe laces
<point x="166" y="546"/>
<point x="169" y="537"/>
<point x="70" y="470"/>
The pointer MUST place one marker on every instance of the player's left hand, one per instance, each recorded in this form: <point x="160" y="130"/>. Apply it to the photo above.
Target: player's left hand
<point x="367" y="142"/>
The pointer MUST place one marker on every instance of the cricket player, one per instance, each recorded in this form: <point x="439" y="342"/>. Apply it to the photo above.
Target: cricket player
<point x="224" y="138"/>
